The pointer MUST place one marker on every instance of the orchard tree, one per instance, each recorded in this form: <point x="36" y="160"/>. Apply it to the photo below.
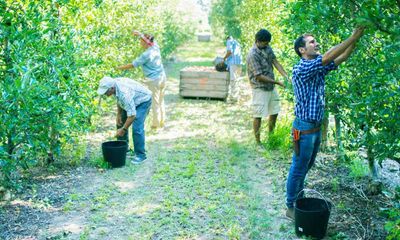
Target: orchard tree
<point x="52" y="55"/>
<point x="43" y="98"/>
<point x="364" y="94"/>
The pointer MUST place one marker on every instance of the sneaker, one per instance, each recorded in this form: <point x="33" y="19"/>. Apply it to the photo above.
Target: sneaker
<point x="137" y="160"/>
<point x="290" y="213"/>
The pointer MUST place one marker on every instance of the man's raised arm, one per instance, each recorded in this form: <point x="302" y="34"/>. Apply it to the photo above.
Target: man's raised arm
<point x="339" y="49"/>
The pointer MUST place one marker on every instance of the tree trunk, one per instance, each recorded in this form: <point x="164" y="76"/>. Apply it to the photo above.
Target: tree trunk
<point x="324" y="132"/>
<point x="371" y="157"/>
<point x="338" y="137"/>
<point x="371" y="164"/>
<point x="7" y="78"/>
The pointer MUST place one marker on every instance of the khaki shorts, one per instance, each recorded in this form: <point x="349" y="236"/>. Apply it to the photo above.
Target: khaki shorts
<point x="265" y="103"/>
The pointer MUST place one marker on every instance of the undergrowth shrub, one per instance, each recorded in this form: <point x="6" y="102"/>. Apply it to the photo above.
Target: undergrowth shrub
<point x="280" y="139"/>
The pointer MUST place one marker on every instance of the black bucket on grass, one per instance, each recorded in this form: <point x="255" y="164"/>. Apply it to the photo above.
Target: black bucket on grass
<point x="311" y="217"/>
<point x="114" y="152"/>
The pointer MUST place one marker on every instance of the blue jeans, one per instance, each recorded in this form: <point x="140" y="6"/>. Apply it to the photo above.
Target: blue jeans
<point x="301" y="164"/>
<point x="137" y="129"/>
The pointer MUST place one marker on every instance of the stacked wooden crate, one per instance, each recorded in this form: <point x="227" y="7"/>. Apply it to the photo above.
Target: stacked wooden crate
<point x="203" y="82"/>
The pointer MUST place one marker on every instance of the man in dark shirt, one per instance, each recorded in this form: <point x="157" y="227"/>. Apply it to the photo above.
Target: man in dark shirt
<point x="261" y="62"/>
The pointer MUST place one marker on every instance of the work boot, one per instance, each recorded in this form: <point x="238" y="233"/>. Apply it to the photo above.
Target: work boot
<point x="290" y="213"/>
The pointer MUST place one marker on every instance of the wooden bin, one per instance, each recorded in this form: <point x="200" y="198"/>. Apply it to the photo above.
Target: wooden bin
<point x="203" y="37"/>
<point x="203" y="82"/>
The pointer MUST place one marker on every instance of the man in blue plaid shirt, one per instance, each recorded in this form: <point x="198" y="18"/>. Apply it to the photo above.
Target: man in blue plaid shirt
<point x="309" y="86"/>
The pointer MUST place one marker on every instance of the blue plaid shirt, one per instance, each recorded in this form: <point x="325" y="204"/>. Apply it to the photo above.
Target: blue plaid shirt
<point x="309" y="88"/>
<point x="236" y="56"/>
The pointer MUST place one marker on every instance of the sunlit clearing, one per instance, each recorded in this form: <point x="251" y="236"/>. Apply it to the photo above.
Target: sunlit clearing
<point x="125" y="186"/>
<point x="73" y="225"/>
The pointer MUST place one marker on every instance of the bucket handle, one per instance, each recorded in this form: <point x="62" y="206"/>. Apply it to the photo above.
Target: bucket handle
<point x="312" y="190"/>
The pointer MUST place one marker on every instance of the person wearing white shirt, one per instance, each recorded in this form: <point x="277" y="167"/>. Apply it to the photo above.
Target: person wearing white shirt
<point x="135" y="100"/>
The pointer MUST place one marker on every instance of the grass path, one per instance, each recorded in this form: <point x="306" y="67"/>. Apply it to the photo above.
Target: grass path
<point x="204" y="178"/>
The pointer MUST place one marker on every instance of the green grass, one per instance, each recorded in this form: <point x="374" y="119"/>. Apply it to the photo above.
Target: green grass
<point x="358" y="168"/>
<point x="195" y="49"/>
<point x="280" y="139"/>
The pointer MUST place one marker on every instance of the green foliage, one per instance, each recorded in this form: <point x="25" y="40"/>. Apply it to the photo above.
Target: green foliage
<point x="106" y="32"/>
<point x="364" y="93"/>
<point x="52" y="55"/>
<point x="280" y="139"/>
<point x="98" y="161"/>
<point x="392" y="226"/>
<point x="358" y="169"/>
<point x="44" y="98"/>
<point x="73" y="151"/>
<point x="224" y="15"/>
<point x="335" y="184"/>
<point x="176" y="32"/>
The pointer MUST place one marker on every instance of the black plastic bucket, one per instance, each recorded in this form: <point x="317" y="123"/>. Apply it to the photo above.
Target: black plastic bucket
<point x="114" y="152"/>
<point x="311" y="217"/>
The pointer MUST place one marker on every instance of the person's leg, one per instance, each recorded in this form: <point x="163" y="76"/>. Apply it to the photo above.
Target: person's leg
<point x="317" y="144"/>
<point x="234" y="76"/>
<point x="308" y="145"/>
<point x="256" y="128"/>
<point x="272" y="122"/>
<point x="273" y="109"/>
<point x="299" y="168"/>
<point x="155" y="106"/>
<point x="138" y="129"/>
<point x="125" y="137"/>
<point x="162" y="103"/>
<point x="259" y="108"/>
<point x="238" y="73"/>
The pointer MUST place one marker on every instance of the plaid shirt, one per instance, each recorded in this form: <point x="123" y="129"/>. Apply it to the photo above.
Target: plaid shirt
<point x="260" y="62"/>
<point x="130" y="94"/>
<point x="309" y="88"/>
<point x="236" y="56"/>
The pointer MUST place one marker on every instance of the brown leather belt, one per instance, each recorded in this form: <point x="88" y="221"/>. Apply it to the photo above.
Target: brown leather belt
<point x="296" y="137"/>
<point x="313" y="130"/>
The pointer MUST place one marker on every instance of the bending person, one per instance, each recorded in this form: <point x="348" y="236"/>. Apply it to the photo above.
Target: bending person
<point x="135" y="100"/>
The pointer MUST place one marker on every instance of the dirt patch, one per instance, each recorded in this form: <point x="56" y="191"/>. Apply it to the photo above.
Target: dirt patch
<point x="41" y="201"/>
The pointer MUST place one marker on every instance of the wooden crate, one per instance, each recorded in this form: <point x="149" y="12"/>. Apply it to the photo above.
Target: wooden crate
<point x="204" y="37"/>
<point x="203" y="82"/>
